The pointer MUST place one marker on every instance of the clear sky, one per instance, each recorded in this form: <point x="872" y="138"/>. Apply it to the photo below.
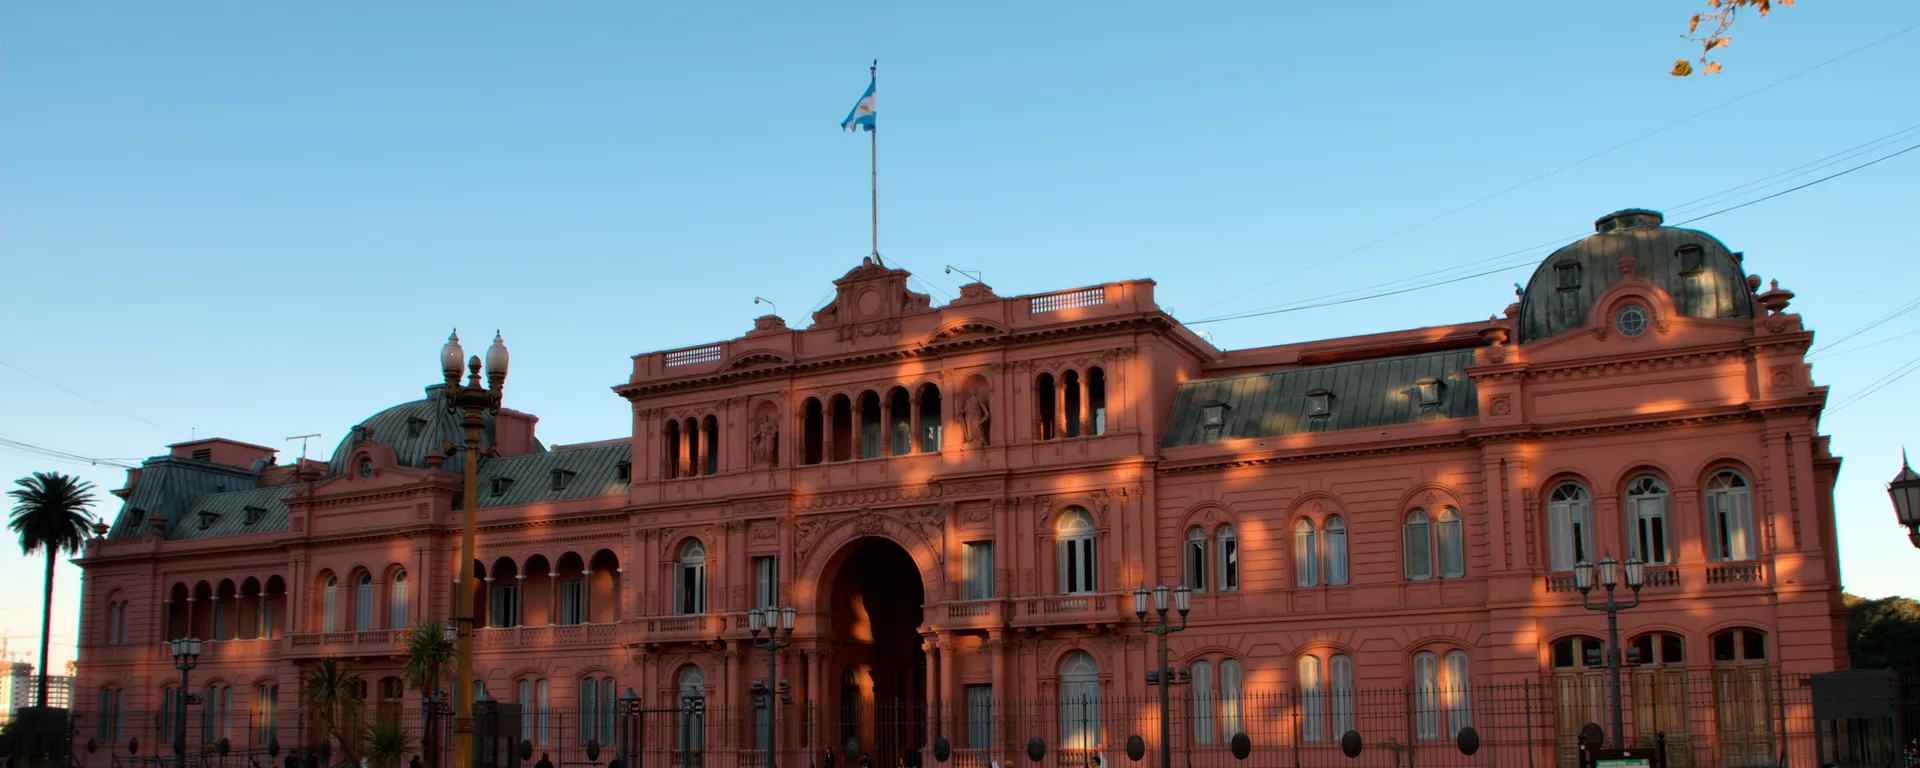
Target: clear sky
<point x="259" y="220"/>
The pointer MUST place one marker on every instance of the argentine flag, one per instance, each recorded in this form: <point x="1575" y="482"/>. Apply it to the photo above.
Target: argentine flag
<point x="862" y="115"/>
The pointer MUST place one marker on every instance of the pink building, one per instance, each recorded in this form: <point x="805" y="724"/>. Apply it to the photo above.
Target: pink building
<point x="959" y="500"/>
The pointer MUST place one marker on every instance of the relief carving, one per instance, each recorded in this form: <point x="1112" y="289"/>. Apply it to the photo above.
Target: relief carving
<point x="975" y="418"/>
<point x="766" y="435"/>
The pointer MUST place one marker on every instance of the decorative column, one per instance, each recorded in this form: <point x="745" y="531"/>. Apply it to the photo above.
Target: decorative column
<point x="1080" y="408"/>
<point x="686" y="447"/>
<point x="826" y="431"/>
<point x="913" y="423"/>
<point x="1060" y="406"/>
<point x="858" y="426"/>
<point x="553" y="598"/>
<point x="586" y="596"/>
<point x="930" y="646"/>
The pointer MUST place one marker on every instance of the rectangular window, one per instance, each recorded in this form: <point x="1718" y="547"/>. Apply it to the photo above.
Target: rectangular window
<point x="1456" y="694"/>
<point x="1452" y="550"/>
<point x="169" y="708"/>
<point x="1197" y="563"/>
<point x="545" y="716"/>
<point x="1204" y="702"/>
<point x="266" y="618"/>
<point x="505" y="611"/>
<point x="766" y="581"/>
<point x="1650" y="529"/>
<point x="977" y="570"/>
<point x="691" y="590"/>
<point x="1306" y="556"/>
<point x="573" y="601"/>
<point x="1426" y="697"/>
<point x="1077" y="566"/>
<point x="980" y="717"/>
<point x="266" y="711"/>
<point x="397" y="608"/>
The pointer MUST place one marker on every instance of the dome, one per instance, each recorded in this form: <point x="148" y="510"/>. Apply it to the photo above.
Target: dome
<point x="1704" y="278"/>
<point x="414" y="429"/>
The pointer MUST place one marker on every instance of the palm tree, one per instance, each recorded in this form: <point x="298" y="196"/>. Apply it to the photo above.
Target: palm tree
<point x="334" y="699"/>
<point x="388" y="743"/>
<point x="429" y="655"/>
<point x="51" y="516"/>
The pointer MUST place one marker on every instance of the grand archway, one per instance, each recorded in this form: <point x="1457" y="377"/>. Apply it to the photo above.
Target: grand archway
<point x="876" y="673"/>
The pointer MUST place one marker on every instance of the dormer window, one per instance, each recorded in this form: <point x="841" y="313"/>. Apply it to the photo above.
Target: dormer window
<point x="415" y="426"/>
<point x="501" y="484"/>
<point x="1691" y="258"/>
<point x="207" y="519"/>
<point x="1319" y="404"/>
<point x="1213" y="419"/>
<point x="560" y="478"/>
<point x="1429" y="389"/>
<point x="623" y="471"/>
<point x="203" y="454"/>
<point x="1567" y="275"/>
<point x="136" y="517"/>
<point x="359" y="434"/>
<point x="253" y="515"/>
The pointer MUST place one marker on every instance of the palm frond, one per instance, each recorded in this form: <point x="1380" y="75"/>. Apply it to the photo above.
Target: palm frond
<point x="50" y="512"/>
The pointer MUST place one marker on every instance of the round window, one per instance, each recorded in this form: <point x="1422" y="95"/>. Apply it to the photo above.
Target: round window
<point x="366" y="467"/>
<point x="1631" y="320"/>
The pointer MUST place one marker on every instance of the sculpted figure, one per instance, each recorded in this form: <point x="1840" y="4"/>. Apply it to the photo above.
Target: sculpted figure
<point x="764" y="434"/>
<point x="974" y="417"/>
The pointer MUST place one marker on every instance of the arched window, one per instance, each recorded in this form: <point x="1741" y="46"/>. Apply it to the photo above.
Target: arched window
<point x="1416" y="543"/>
<point x="1426" y="696"/>
<point x="1079" y="701"/>
<point x="1204" y="701"/>
<point x="1739" y="646"/>
<point x="899" y="422"/>
<point x="169" y="711"/>
<point x="535" y="717"/>
<point x="597" y="699"/>
<point x="1196" y="549"/>
<point x="1340" y="673"/>
<point x="692" y="722"/>
<point x="266" y="712"/>
<point x="1576" y="652"/>
<point x="694" y="447"/>
<point x="1229" y="697"/>
<point x="1097" y="400"/>
<point x="330" y="605"/>
<point x="1569" y="526"/>
<point x="930" y="419"/>
<point x="1729" y="517"/>
<point x="1647" y="536"/>
<point x="813" y="426"/>
<point x="1229" y="558"/>
<point x="397" y="601"/>
<point x="1336" y="551"/>
<point x="674" y="455"/>
<point x="1306" y="554"/>
<point x="110" y="718"/>
<point x="1079" y="562"/>
<point x="871" y="436"/>
<point x="1045" y="408"/>
<point x="1313" y="694"/>
<point x="363" y="602"/>
<point x="1453" y="561"/>
<point x="1456" y="693"/>
<point x="690" y="582"/>
<point x="216" y="713"/>
<point x="1659" y="649"/>
<point x="504" y="584"/>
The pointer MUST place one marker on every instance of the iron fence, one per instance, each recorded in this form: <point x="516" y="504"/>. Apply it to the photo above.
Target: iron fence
<point x="1723" y="719"/>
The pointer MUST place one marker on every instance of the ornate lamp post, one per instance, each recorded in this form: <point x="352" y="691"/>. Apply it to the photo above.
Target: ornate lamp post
<point x="1905" y="490"/>
<point x="186" y="656"/>
<point x="767" y="618"/>
<point x="473" y="402"/>
<point x="1610" y="578"/>
<point x="1183" y="602"/>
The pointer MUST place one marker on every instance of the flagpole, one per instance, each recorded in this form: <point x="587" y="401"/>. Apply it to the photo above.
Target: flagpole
<point x="873" y="149"/>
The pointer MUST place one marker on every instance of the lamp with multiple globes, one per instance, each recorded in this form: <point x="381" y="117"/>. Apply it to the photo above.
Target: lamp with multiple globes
<point x="186" y="656"/>
<point x="778" y="624"/>
<point x="473" y="402"/>
<point x="1609" y="571"/>
<point x="1161" y="627"/>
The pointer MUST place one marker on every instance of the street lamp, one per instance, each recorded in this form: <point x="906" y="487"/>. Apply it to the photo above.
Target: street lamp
<point x="1905" y="490"/>
<point x="1583" y="573"/>
<point x="1183" y="602"/>
<point x="186" y="656"/>
<point x="473" y="402"/>
<point x="767" y="619"/>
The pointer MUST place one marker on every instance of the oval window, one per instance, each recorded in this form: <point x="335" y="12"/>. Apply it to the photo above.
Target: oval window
<point x="1631" y="320"/>
<point x="366" y="467"/>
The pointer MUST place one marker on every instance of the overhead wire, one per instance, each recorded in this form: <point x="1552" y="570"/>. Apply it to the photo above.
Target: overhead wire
<point x="135" y="417"/>
<point x="1334" y="299"/>
<point x="24" y="448"/>
<point x="1563" y="168"/>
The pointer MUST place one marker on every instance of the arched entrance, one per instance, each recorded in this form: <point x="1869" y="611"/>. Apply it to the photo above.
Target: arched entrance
<point x="876" y="678"/>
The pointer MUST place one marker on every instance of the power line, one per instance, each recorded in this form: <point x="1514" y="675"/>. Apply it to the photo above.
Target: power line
<point x="1881" y="383"/>
<point x="1563" y="168"/>
<point x="1823" y="355"/>
<point x="1295" y="307"/>
<point x="23" y="448"/>
<point x="30" y="375"/>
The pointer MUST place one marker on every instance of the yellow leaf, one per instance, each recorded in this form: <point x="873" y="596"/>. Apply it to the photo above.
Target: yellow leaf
<point x="1722" y="42"/>
<point x="1681" y="68"/>
<point x="1693" y="25"/>
<point x="1712" y="68"/>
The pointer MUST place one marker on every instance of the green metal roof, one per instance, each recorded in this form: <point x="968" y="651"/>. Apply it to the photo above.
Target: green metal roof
<point x="589" y="472"/>
<point x="1367" y="393"/>
<point x="1707" y="281"/>
<point x="169" y="486"/>
<point x="414" y="429"/>
<point x="227" y="514"/>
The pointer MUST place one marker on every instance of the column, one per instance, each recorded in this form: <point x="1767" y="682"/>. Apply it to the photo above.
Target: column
<point x="929" y="693"/>
<point x="586" y="596"/>
<point x="997" y="650"/>
<point x="1080" y="409"/>
<point x="686" y="449"/>
<point x="913" y="420"/>
<point x="856" y="425"/>
<point x="187" y="631"/>
<point x="826" y="431"/>
<point x="1060" y="405"/>
<point x="553" y="598"/>
<point x="886" y="426"/>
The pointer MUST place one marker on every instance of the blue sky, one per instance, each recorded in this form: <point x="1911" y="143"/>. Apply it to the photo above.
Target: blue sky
<point x="259" y="220"/>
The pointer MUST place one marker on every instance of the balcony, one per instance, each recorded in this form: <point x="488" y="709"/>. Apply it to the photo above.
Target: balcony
<point x="973" y="614"/>
<point x="1743" y="573"/>
<point x="371" y="642"/>
<point x="256" y="648"/>
<point x="682" y="629"/>
<point x="550" y="636"/>
<point x="1090" y="609"/>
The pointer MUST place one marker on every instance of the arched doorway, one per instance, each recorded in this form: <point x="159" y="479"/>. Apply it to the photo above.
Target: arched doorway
<point x="876" y="677"/>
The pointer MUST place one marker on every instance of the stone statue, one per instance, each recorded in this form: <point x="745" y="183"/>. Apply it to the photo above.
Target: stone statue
<point x="974" y="417"/>
<point x="764" y="435"/>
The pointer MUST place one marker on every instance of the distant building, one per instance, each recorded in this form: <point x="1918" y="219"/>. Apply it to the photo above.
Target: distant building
<point x="21" y="688"/>
<point x="961" y="499"/>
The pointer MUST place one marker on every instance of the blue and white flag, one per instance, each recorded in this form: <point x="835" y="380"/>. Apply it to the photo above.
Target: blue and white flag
<point x="862" y="115"/>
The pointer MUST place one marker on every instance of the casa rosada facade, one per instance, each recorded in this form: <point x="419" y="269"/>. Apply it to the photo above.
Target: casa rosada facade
<point x="959" y="501"/>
